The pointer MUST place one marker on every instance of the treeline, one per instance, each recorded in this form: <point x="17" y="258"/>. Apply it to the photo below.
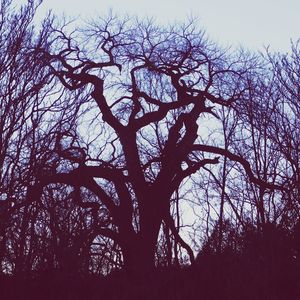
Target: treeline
<point x="126" y="148"/>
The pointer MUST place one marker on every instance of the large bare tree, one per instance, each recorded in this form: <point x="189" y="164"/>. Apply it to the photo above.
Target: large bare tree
<point x="150" y="88"/>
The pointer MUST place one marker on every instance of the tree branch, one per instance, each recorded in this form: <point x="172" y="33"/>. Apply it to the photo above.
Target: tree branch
<point x="240" y="160"/>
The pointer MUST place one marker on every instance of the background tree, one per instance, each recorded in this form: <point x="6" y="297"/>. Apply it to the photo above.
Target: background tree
<point x="34" y="119"/>
<point x="23" y="106"/>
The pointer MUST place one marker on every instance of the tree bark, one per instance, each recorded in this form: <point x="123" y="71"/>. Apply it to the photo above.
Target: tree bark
<point x="139" y="249"/>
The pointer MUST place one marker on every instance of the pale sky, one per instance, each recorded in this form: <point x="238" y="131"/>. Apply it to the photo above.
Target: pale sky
<point x="252" y="24"/>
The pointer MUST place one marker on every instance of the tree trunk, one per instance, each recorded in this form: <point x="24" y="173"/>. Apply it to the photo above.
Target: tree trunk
<point x="139" y="251"/>
<point x="139" y="248"/>
<point x="139" y="258"/>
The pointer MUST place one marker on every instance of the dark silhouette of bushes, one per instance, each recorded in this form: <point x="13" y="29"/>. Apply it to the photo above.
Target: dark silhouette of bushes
<point x="253" y="264"/>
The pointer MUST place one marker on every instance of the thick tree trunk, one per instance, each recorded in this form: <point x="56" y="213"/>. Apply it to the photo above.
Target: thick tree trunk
<point x="139" y="247"/>
<point x="139" y="251"/>
<point x="139" y="257"/>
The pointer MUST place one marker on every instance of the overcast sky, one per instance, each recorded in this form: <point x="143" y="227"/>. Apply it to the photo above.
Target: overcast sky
<point x="253" y="24"/>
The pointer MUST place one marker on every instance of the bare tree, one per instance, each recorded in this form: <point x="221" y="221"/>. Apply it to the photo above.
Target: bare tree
<point x="30" y="139"/>
<point x="108" y="134"/>
<point x="22" y="80"/>
<point x="150" y="88"/>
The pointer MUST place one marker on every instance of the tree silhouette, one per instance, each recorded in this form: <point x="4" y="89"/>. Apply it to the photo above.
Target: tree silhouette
<point x="125" y="145"/>
<point x="149" y="89"/>
<point x="23" y="80"/>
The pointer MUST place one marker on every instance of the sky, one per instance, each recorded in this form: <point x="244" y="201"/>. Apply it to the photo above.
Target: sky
<point x="252" y="24"/>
